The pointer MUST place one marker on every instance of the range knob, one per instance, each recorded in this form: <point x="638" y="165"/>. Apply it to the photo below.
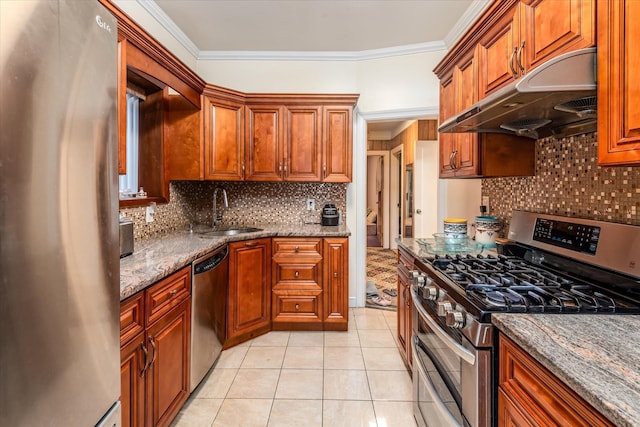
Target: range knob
<point x="455" y="319"/>
<point x="444" y="307"/>
<point x="431" y="293"/>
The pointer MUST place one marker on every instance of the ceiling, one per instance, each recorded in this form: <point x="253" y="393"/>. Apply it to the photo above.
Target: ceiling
<point x="313" y="25"/>
<point x="324" y="28"/>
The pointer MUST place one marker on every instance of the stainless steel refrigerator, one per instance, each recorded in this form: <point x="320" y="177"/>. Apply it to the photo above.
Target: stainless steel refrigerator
<point x="59" y="262"/>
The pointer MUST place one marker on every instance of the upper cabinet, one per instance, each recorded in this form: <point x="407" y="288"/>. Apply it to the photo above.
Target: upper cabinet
<point x="618" y="83"/>
<point x="522" y="35"/>
<point x="511" y="38"/>
<point x="303" y="138"/>
<point x="223" y="138"/>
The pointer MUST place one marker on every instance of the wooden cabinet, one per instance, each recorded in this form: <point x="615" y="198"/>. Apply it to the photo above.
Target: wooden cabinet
<point x="519" y="36"/>
<point x="618" y="83"/>
<point x="474" y="155"/>
<point x="310" y="284"/>
<point x="405" y="305"/>
<point x="155" y="339"/>
<point x="336" y="283"/>
<point x="530" y="395"/>
<point x="337" y="146"/>
<point x="302" y="138"/>
<point x="249" y="308"/>
<point x="264" y="139"/>
<point x="223" y="138"/>
<point x="303" y="143"/>
<point x="297" y="284"/>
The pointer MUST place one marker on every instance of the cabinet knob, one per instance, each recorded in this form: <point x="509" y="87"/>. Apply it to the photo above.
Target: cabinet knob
<point x="297" y="307"/>
<point x="173" y="292"/>
<point x="296" y="249"/>
<point x="335" y="275"/>
<point x="296" y="274"/>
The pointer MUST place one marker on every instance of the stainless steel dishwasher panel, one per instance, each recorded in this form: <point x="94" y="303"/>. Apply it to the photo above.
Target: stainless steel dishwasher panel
<point x="208" y="314"/>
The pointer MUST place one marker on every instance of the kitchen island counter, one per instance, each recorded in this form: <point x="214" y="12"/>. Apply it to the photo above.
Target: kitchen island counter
<point x="595" y="355"/>
<point x="157" y="257"/>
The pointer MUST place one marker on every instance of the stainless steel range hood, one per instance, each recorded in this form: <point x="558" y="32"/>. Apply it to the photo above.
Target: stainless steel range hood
<point x="558" y="98"/>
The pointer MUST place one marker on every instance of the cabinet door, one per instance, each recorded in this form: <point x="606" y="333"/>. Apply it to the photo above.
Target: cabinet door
<point x="336" y="283"/>
<point x="447" y="140"/>
<point x="553" y="27"/>
<point x="618" y="83"/>
<point x="167" y="380"/>
<point x="263" y="145"/>
<point x="405" y="265"/>
<point x="303" y="149"/>
<point x="465" y="84"/>
<point x="224" y="140"/>
<point x="497" y="54"/>
<point x="132" y="364"/>
<point x="249" y="290"/>
<point x="337" y="144"/>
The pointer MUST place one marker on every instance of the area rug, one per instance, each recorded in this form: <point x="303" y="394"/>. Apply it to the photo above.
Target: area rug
<point x="383" y="271"/>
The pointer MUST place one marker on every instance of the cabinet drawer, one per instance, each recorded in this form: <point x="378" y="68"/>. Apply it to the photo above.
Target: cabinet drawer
<point x="296" y="306"/>
<point x="405" y="260"/>
<point x="131" y="317"/>
<point x="297" y="247"/>
<point x="297" y="275"/>
<point x="167" y="293"/>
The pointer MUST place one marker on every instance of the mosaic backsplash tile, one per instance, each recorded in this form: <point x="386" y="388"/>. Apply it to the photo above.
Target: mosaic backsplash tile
<point x="569" y="182"/>
<point x="249" y="203"/>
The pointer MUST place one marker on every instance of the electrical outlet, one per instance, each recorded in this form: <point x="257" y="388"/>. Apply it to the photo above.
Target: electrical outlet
<point x="311" y="204"/>
<point x="150" y="212"/>
<point x="485" y="202"/>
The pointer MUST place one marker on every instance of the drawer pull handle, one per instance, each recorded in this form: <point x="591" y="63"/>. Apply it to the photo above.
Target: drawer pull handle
<point x="250" y="244"/>
<point x="146" y="359"/>
<point x="173" y="292"/>
<point x="335" y="275"/>
<point x="296" y="273"/>
<point x="297" y="307"/>
<point x="296" y="249"/>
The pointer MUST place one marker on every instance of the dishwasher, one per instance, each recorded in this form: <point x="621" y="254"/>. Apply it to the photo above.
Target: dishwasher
<point x="208" y="312"/>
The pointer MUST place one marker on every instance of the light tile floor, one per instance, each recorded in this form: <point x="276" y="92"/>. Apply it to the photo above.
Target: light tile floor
<point x="315" y="379"/>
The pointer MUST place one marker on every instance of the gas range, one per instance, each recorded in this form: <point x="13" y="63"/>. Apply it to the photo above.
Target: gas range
<point x="550" y="264"/>
<point x="544" y="272"/>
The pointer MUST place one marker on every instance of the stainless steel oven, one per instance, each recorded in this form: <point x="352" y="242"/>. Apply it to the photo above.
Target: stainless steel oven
<point x="552" y="265"/>
<point x="450" y="386"/>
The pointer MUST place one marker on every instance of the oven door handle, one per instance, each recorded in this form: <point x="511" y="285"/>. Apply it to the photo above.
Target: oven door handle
<point x="459" y="350"/>
<point x="439" y="404"/>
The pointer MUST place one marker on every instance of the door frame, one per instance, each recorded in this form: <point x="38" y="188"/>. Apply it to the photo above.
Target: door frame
<point x="395" y="201"/>
<point x="356" y="195"/>
<point x="385" y="195"/>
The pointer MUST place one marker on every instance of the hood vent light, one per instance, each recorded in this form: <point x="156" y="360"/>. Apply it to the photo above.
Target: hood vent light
<point x="584" y="108"/>
<point x="526" y="127"/>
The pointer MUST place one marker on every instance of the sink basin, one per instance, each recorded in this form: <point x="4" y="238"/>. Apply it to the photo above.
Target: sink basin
<point x="229" y="231"/>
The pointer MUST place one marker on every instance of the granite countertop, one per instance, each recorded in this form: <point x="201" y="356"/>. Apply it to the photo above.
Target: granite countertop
<point x="598" y="356"/>
<point x="156" y="258"/>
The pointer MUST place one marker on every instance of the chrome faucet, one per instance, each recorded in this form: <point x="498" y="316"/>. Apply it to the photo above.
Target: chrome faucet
<point x="218" y="216"/>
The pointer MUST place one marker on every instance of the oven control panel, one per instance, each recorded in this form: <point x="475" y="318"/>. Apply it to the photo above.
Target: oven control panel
<point x="577" y="237"/>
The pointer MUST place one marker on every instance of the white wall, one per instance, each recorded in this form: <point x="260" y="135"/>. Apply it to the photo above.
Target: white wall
<point x="459" y="198"/>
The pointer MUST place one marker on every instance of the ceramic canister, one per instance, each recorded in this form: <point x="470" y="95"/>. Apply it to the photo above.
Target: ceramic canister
<point x="487" y="228"/>
<point x="455" y="226"/>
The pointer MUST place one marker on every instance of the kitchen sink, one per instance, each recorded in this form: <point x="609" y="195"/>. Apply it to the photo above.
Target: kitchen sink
<point x="229" y="231"/>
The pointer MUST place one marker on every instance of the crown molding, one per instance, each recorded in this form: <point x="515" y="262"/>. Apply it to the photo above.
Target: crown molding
<point x="362" y="55"/>
<point x="468" y="18"/>
<point x="167" y="23"/>
<point x="402" y="114"/>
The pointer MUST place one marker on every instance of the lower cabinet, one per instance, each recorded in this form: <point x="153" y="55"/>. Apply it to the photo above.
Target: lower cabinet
<point x="155" y="340"/>
<point x="310" y="284"/>
<point x="530" y="395"/>
<point x="249" y="308"/>
<point x="405" y="306"/>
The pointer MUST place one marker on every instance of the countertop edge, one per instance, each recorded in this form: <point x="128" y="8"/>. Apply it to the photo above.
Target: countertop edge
<point x="567" y="345"/>
<point x="156" y="258"/>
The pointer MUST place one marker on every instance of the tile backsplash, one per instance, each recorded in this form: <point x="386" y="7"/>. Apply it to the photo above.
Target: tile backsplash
<point x="569" y="182"/>
<point x="249" y="203"/>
